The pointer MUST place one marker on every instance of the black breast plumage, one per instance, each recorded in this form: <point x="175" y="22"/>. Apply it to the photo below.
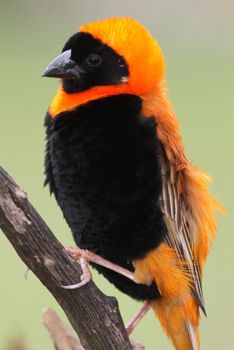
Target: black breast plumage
<point x="102" y="164"/>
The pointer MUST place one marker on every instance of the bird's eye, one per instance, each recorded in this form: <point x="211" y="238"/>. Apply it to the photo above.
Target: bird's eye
<point x="94" y="60"/>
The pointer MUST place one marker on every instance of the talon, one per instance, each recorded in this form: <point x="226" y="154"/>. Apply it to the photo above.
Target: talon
<point x="26" y="271"/>
<point x="75" y="286"/>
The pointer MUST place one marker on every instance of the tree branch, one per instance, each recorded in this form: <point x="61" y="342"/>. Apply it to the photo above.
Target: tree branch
<point x="60" y="333"/>
<point x="94" y="316"/>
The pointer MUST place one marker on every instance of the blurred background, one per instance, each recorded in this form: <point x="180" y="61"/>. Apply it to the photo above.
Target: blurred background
<point x="197" y="38"/>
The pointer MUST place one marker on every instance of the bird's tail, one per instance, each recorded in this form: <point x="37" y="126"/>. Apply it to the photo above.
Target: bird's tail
<point x="180" y="321"/>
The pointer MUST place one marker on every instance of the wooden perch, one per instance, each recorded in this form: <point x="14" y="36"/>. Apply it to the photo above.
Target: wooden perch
<point x="94" y="316"/>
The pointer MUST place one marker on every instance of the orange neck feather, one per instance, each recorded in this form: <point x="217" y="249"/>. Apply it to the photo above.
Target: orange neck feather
<point x="63" y="101"/>
<point x="157" y="104"/>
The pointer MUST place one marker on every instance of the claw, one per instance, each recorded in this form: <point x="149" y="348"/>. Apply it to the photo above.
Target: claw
<point x="26" y="271"/>
<point x="75" y="286"/>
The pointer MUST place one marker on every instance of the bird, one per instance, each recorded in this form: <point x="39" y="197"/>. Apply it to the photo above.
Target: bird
<point x="140" y="212"/>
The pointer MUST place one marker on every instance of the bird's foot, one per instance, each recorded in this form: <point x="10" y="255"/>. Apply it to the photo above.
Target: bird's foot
<point x="85" y="277"/>
<point x="77" y="253"/>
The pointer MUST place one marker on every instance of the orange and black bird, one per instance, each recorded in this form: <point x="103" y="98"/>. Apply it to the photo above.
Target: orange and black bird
<point x="139" y="211"/>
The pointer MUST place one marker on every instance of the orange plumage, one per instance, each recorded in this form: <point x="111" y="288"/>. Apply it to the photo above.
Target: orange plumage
<point x="192" y="184"/>
<point x="188" y="208"/>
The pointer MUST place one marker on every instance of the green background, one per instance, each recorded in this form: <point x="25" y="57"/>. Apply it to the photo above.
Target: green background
<point x="197" y="38"/>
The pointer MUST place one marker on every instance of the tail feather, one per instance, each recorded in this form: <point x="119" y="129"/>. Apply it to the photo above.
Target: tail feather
<point x="192" y="335"/>
<point x="179" y="323"/>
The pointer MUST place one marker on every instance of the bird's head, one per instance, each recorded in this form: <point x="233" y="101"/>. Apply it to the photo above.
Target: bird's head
<point x="107" y="57"/>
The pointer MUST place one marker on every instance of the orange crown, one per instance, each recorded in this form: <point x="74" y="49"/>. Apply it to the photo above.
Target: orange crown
<point x="140" y="50"/>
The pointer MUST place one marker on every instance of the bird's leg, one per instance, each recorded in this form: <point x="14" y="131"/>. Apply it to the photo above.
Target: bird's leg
<point x="138" y="317"/>
<point x="85" y="256"/>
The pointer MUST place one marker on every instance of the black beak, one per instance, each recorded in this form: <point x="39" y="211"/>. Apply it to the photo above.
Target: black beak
<point x="62" y="67"/>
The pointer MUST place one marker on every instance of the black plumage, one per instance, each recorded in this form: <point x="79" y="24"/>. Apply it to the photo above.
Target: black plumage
<point x="110" y="69"/>
<point x="102" y="164"/>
